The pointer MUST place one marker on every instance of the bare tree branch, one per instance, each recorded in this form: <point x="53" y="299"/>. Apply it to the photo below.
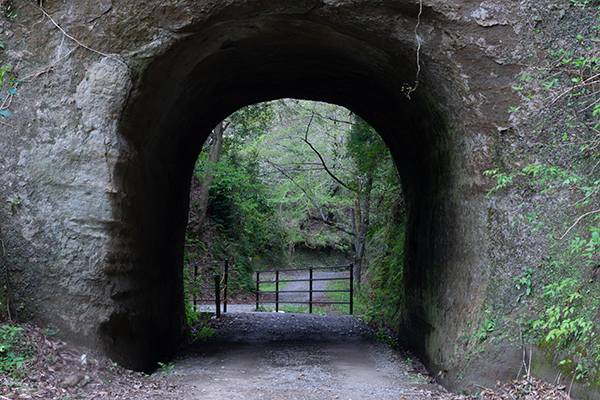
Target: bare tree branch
<point x="312" y="200"/>
<point x="336" y="226"/>
<point x="312" y="116"/>
<point x="576" y="222"/>
<point x="340" y="121"/>
<point x="324" y="164"/>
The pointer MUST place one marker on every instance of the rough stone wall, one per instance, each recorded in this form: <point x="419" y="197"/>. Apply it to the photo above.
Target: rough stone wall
<point x="100" y="145"/>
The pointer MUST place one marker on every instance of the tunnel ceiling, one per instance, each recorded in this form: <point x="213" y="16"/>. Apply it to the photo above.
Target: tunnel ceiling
<point x="210" y="75"/>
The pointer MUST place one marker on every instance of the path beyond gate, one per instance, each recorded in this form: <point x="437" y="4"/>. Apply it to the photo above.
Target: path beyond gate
<point x="299" y="286"/>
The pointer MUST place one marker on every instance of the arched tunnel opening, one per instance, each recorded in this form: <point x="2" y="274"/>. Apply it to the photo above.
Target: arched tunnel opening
<point x="205" y="77"/>
<point x="284" y="186"/>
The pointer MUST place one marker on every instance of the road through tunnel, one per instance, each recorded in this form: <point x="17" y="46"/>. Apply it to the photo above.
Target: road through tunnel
<point x="237" y="58"/>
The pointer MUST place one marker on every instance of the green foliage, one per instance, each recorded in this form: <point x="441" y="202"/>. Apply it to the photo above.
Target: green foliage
<point x="197" y="321"/>
<point x="15" y="352"/>
<point x="560" y="112"/>
<point x="523" y="282"/>
<point x="503" y="179"/>
<point x="546" y="178"/>
<point x="205" y="332"/>
<point x="382" y="336"/>
<point x="241" y="215"/>
<point x="365" y="147"/>
<point x="487" y="327"/>
<point x="241" y="276"/>
<point x="568" y="321"/>
<point x="14" y="203"/>
<point x="269" y="287"/>
<point x="164" y="369"/>
<point x="307" y="138"/>
<point x="586" y="3"/>
<point x="380" y="299"/>
<point x="191" y="314"/>
<point x="587" y="249"/>
<point x="569" y="327"/>
<point x="291" y="175"/>
<point x="194" y="247"/>
<point x="251" y="121"/>
<point x="239" y="204"/>
<point x="8" y="86"/>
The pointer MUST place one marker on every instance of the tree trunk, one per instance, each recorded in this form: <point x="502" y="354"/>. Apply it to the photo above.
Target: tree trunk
<point x="363" y="207"/>
<point x="290" y="256"/>
<point x="215" y="154"/>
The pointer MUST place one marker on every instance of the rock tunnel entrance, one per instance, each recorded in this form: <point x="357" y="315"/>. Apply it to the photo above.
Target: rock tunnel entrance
<point x="230" y="63"/>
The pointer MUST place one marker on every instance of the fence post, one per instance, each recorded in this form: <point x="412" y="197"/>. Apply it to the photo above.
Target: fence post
<point x="277" y="290"/>
<point x="310" y="289"/>
<point x="218" y="294"/>
<point x="351" y="288"/>
<point x="226" y="284"/>
<point x="195" y="284"/>
<point x="257" y="288"/>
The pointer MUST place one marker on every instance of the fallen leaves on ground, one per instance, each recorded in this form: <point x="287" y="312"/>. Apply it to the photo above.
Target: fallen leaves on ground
<point x="58" y="370"/>
<point x="527" y="389"/>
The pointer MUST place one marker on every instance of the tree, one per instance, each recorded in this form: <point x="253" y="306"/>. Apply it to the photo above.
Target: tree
<point x="295" y="172"/>
<point x="368" y="152"/>
<point x="216" y="143"/>
<point x="248" y="121"/>
<point x="326" y="163"/>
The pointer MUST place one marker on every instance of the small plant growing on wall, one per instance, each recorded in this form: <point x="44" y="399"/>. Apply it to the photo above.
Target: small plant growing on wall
<point x="9" y="89"/>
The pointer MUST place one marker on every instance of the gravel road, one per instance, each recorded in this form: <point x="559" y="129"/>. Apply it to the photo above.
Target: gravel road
<point x="296" y="356"/>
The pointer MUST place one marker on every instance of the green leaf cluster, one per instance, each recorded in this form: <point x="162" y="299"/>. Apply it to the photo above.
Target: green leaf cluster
<point x="8" y="86"/>
<point x="15" y="352"/>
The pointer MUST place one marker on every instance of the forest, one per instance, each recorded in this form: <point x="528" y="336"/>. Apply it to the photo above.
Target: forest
<point x="292" y="183"/>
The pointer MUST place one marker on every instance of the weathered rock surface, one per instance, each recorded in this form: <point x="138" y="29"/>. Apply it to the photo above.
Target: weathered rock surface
<point x="100" y="147"/>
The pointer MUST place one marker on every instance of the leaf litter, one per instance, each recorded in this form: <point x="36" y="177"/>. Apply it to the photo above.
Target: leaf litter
<point x="58" y="370"/>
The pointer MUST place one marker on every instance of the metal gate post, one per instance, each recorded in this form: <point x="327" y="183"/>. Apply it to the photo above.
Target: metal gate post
<point x="218" y="294"/>
<point x="351" y="287"/>
<point x="310" y="289"/>
<point x="277" y="290"/>
<point x="226" y="285"/>
<point x="257" y="288"/>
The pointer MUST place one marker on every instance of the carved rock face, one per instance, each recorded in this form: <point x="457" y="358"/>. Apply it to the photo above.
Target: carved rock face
<point x="111" y="141"/>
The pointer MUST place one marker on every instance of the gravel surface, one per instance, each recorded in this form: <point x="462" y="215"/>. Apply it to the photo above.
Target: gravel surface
<point x="296" y="356"/>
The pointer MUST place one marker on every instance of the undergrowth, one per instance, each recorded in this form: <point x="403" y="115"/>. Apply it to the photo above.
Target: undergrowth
<point x="15" y="351"/>
<point x="560" y="106"/>
<point x="379" y="298"/>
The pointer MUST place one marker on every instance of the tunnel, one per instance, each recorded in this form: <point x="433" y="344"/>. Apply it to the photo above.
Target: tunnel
<point x="226" y="63"/>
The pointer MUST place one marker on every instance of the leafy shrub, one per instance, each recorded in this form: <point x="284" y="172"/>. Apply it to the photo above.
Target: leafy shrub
<point x="15" y="351"/>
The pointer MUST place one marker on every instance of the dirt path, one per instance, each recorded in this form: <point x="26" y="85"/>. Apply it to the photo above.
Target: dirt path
<point x="296" y="356"/>
<point x="253" y="356"/>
